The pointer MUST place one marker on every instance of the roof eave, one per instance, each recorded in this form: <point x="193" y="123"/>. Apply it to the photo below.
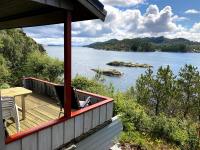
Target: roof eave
<point x="66" y="4"/>
<point x="101" y="14"/>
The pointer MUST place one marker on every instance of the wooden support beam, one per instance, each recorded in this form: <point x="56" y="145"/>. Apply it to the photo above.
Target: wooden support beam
<point x="67" y="65"/>
<point x="2" y="130"/>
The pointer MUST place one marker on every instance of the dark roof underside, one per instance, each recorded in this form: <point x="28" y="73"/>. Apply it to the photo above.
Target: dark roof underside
<point x="25" y="13"/>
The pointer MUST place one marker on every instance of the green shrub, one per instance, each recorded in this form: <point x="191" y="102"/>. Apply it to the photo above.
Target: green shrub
<point x="133" y="115"/>
<point x="135" y="139"/>
<point x="92" y="85"/>
<point x="4" y="70"/>
<point x="40" y="65"/>
<point x="15" y="47"/>
<point x="170" y="129"/>
<point x="140" y="128"/>
<point x="4" y="86"/>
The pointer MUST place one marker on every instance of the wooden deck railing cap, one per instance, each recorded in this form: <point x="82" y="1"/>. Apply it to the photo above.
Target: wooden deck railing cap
<point x="32" y="78"/>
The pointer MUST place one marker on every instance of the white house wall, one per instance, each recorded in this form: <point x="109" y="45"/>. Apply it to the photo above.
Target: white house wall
<point x="59" y="134"/>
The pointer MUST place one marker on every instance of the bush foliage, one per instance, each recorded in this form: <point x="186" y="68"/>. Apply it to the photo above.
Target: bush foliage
<point x="40" y="65"/>
<point x="21" y="56"/>
<point x="176" y="96"/>
<point x="142" y="126"/>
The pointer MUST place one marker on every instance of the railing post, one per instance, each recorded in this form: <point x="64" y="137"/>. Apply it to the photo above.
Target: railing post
<point x="24" y="82"/>
<point x="67" y="65"/>
<point x="2" y="130"/>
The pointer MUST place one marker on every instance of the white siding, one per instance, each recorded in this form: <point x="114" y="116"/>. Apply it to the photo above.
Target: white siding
<point x="102" y="114"/>
<point x="102" y="139"/>
<point x="44" y="136"/>
<point x="62" y="133"/>
<point x="78" y="125"/>
<point x="57" y="135"/>
<point x="30" y="142"/>
<point x="69" y="130"/>
<point x="14" y="145"/>
<point x="87" y="121"/>
<point x="95" y="117"/>
<point x="109" y="111"/>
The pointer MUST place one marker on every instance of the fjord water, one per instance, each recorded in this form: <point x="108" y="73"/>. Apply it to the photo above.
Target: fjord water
<point x="84" y="59"/>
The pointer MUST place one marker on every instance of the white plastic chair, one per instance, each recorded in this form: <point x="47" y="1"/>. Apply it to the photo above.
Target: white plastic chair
<point x="85" y="103"/>
<point x="81" y="103"/>
<point x="10" y="110"/>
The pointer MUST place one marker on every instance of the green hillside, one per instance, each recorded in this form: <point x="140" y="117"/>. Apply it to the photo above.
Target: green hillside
<point x="21" y="56"/>
<point x="148" y="44"/>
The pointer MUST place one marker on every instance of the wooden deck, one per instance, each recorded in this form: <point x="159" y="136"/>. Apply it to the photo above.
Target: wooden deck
<point x="39" y="109"/>
<point x="55" y="133"/>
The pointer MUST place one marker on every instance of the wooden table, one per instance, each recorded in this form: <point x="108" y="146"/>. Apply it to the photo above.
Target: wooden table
<point x="17" y="91"/>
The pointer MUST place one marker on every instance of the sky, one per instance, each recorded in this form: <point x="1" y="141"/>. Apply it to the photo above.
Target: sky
<point x="130" y="19"/>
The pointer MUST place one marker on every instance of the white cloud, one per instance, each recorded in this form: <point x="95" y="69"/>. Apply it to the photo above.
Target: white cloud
<point x="48" y="31"/>
<point x="45" y="41"/>
<point x="177" y="18"/>
<point x="156" y="22"/>
<point x="128" y="23"/>
<point x="196" y="28"/>
<point x="122" y="2"/>
<point x="192" y="11"/>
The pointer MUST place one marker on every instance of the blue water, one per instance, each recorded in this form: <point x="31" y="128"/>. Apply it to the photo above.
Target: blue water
<point x="84" y="59"/>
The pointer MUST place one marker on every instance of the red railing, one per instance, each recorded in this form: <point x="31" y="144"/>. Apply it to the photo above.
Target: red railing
<point x="103" y="100"/>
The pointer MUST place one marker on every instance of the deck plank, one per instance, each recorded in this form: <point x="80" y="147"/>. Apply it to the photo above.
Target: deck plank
<point x="39" y="109"/>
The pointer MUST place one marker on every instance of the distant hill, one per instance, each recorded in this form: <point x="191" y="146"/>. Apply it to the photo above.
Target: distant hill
<point x="55" y="45"/>
<point x="148" y="44"/>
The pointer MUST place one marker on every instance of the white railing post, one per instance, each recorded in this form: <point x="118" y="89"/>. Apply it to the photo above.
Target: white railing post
<point x="2" y="130"/>
<point x="24" y="82"/>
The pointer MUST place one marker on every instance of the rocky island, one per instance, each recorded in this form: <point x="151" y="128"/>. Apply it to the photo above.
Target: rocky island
<point x="108" y="72"/>
<point x="128" y="64"/>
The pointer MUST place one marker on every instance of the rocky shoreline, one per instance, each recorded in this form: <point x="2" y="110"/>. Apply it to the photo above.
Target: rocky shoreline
<point x="116" y="73"/>
<point x="128" y="64"/>
<point x="108" y="72"/>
